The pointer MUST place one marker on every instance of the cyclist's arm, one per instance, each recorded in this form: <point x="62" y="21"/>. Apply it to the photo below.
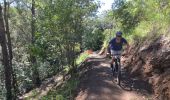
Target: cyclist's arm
<point x="109" y="46"/>
<point x="108" y="49"/>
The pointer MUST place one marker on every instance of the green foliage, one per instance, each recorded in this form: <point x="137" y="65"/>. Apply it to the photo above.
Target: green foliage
<point x="92" y="39"/>
<point x="59" y="97"/>
<point x="108" y="35"/>
<point x="81" y="58"/>
<point x="140" y="19"/>
<point x="59" y="26"/>
<point x="128" y="16"/>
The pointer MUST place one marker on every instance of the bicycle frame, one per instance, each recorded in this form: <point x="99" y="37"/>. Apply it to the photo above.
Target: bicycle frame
<point x="117" y="68"/>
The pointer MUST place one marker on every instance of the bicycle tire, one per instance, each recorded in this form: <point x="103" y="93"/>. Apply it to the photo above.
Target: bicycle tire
<point x="119" y="77"/>
<point x="118" y="72"/>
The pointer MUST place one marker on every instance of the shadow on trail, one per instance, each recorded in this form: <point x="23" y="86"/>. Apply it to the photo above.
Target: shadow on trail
<point x="130" y="83"/>
<point x="97" y="82"/>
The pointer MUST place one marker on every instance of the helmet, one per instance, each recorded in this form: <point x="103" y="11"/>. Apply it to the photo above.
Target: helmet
<point x="119" y="33"/>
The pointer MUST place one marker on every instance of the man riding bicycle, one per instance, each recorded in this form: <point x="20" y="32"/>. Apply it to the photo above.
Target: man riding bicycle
<point x="116" y="45"/>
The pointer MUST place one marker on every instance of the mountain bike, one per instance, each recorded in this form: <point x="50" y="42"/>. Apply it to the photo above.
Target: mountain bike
<point x="116" y="68"/>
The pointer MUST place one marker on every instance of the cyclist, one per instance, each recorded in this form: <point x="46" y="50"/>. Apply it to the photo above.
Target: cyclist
<point x="116" y="44"/>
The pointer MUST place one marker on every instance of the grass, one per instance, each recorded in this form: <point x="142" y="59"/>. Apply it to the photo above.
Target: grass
<point x="82" y="58"/>
<point x="146" y="31"/>
<point x="64" y="92"/>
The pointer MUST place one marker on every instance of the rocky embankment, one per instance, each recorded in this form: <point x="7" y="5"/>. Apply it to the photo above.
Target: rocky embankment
<point x="150" y="60"/>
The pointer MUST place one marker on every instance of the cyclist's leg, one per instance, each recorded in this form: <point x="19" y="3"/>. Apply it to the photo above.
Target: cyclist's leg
<point x="119" y="60"/>
<point x="117" y="63"/>
<point x="118" y="66"/>
<point x="112" y="55"/>
<point x="112" y="62"/>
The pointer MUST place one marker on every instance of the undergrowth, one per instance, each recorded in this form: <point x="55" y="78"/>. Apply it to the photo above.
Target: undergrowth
<point x="82" y="57"/>
<point x="63" y="92"/>
<point x="66" y="90"/>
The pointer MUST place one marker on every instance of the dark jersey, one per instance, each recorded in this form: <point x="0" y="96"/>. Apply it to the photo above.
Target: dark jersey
<point x="117" y="46"/>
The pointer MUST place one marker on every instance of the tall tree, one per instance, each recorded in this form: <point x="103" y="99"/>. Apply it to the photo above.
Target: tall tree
<point x="9" y="45"/>
<point x="36" y="78"/>
<point x="6" y="57"/>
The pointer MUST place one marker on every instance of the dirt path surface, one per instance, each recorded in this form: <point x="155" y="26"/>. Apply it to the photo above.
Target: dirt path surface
<point x="99" y="84"/>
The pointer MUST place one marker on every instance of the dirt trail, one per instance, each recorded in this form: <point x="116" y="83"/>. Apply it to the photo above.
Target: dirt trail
<point x="99" y="84"/>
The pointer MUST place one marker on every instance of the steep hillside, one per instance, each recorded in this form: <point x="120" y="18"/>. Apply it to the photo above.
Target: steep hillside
<point x="150" y="60"/>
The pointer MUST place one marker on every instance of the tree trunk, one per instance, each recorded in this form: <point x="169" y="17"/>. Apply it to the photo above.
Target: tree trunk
<point x="6" y="17"/>
<point x="36" y="78"/>
<point x="7" y="67"/>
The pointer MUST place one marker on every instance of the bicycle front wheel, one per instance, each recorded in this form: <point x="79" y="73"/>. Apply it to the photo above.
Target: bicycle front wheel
<point x="119" y="77"/>
<point x="119" y="74"/>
